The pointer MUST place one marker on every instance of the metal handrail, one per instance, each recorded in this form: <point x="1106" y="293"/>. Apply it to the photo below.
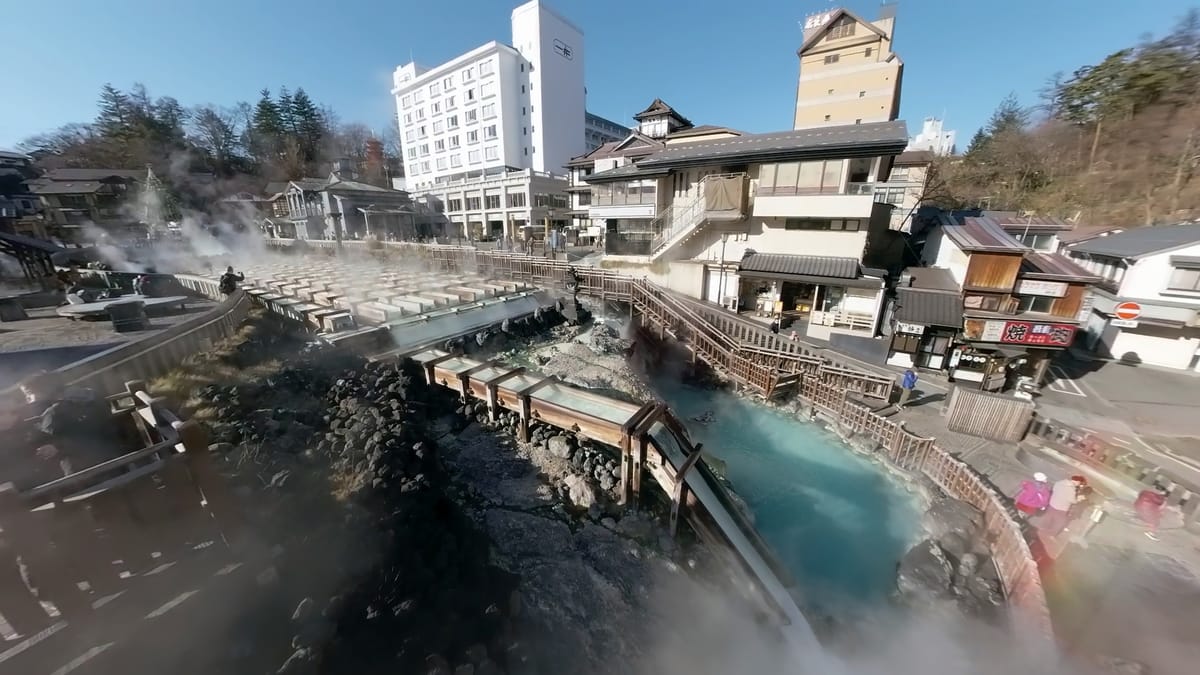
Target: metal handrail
<point x="689" y="215"/>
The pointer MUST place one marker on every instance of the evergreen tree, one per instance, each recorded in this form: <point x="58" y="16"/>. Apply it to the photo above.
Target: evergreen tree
<point x="309" y="124"/>
<point x="266" y="119"/>
<point x="287" y="118"/>
<point x="114" y="118"/>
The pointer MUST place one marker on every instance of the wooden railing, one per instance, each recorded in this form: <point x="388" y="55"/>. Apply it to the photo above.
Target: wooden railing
<point x="105" y="524"/>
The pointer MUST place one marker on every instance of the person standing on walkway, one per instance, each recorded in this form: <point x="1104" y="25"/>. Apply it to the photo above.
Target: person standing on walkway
<point x="1062" y="497"/>
<point x="1149" y="507"/>
<point x="229" y="281"/>
<point x="907" y="384"/>
<point x="1034" y="495"/>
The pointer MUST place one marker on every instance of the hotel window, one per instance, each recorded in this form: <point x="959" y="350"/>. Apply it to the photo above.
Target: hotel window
<point x="434" y="89"/>
<point x="801" y="178"/>
<point x="447" y="83"/>
<point x="408" y="118"/>
<point x="827" y="118"/>
<point x="406" y="101"/>
<point x="522" y="89"/>
<point x="441" y="163"/>
<point x="437" y="127"/>
<point x="831" y="58"/>
<point x="491" y="153"/>
<point x="455" y="160"/>
<point x="867" y="52"/>
<point x="862" y="94"/>
<point x="420" y="113"/>
<point x="471" y="116"/>
<point x="418" y="96"/>
<point x="489" y="131"/>
<point x="435" y="107"/>
<point x="487" y="89"/>
<point x="439" y="145"/>
<point x="893" y="196"/>
<point x="469" y="97"/>
<point x="452" y="122"/>
<point x="454" y="205"/>
<point x="491" y="201"/>
<point x="489" y="110"/>
<point x="516" y="200"/>
<point x="1184" y="280"/>
<point x="822" y="224"/>
<point x="425" y="166"/>
<point x="473" y="157"/>
<point x="422" y="131"/>
<point x="412" y="153"/>
<point x="468" y="74"/>
<point x="454" y="141"/>
<point x="449" y="102"/>
<point x="899" y="173"/>
<point x="424" y="149"/>
<point x="410" y="135"/>
<point x="472" y="203"/>
<point x="472" y="136"/>
<point x="485" y="68"/>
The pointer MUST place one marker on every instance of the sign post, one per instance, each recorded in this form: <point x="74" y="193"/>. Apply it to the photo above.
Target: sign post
<point x="1125" y="315"/>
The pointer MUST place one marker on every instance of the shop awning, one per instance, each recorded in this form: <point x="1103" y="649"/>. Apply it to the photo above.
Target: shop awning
<point x="929" y="308"/>
<point x="808" y="269"/>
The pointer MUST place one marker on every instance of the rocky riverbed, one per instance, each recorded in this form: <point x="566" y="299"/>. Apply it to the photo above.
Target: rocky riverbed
<point x="411" y="533"/>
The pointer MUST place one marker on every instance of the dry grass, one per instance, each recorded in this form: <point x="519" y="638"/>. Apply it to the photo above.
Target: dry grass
<point x="215" y="366"/>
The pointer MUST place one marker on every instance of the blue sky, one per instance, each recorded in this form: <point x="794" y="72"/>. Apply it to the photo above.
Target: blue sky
<point x="715" y="61"/>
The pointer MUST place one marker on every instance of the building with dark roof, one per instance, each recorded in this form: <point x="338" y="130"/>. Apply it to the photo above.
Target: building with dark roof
<point x="1020" y="305"/>
<point x="344" y="208"/>
<point x="1147" y="303"/>
<point x="784" y="225"/>
<point x="73" y="199"/>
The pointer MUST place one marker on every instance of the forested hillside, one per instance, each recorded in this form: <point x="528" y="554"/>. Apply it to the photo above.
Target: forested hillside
<point x="282" y="136"/>
<point x="1117" y="142"/>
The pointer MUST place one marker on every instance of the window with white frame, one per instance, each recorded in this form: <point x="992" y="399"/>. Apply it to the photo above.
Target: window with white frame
<point x="425" y="166"/>
<point x="489" y="110"/>
<point x="440" y="163"/>
<point x="424" y="149"/>
<point x="801" y="178"/>
<point x="434" y="89"/>
<point x="410" y="135"/>
<point x="408" y="118"/>
<point x="439" y="145"/>
<point x="472" y="136"/>
<point x="469" y="96"/>
<point x="455" y="160"/>
<point x="453" y="141"/>
<point x="447" y="83"/>
<point x="452" y="122"/>
<point x="1036" y="303"/>
<point x="473" y="157"/>
<point x="422" y="131"/>
<point x="485" y="68"/>
<point x="1184" y="279"/>
<point x="435" y="107"/>
<point x="1037" y="242"/>
<point x="412" y="152"/>
<point x="491" y="152"/>
<point x="418" y="96"/>
<point x="471" y="116"/>
<point x="489" y="131"/>
<point x="437" y="127"/>
<point x="420" y="113"/>
<point x="487" y="89"/>
<point x="468" y="74"/>
<point x="449" y="102"/>
<point x="406" y="101"/>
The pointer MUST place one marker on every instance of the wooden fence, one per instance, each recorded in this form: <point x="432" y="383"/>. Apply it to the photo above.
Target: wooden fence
<point x="979" y="413"/>
<point x="107" y="523"/>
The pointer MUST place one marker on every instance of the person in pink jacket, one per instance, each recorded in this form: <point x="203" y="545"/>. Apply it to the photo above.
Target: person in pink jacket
<point x="1034" y="495"/>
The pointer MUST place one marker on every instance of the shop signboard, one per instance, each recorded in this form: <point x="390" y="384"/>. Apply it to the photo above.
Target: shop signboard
<point x="1019" y="332"/>
<point x="910" y="328"/>
<point x="1053" y="289"/>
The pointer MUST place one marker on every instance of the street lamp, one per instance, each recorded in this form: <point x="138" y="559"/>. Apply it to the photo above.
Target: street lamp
<point x="546" y="237"/>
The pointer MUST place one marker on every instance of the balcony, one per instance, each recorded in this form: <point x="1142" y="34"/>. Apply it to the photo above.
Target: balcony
<point x="624" y="199"/>
<point x="720" y="197"/>
<point x="857" y="200"/>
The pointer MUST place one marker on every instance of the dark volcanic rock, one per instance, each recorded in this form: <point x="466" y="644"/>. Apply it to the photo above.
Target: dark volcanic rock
<point x="924" y="573"/>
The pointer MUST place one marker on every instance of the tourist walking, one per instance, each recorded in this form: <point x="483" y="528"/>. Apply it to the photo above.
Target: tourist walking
<point x="1034" y="495"/>
<point x="1063" y="496"/>
<point x="907" y="384"/>
<point x="229" y="281"/>
<point x="1149" y="506"/>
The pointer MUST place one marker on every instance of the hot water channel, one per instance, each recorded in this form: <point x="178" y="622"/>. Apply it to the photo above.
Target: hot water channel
<point x="837" y="520"/>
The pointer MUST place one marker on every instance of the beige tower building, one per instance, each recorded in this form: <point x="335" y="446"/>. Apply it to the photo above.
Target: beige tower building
<point x="848" y="71"/>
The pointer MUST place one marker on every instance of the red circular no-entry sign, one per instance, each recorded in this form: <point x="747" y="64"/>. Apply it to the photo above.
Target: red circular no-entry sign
<point x="1128" y="311"/>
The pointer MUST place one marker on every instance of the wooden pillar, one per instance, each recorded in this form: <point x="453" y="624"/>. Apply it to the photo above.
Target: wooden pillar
<point x="523" y="430"/>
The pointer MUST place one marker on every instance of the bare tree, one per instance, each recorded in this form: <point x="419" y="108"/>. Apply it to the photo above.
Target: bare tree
<point x="215" y="132"/>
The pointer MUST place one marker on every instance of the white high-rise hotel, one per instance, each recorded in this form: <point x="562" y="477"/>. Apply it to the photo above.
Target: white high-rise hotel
<point x="490" y="132"/>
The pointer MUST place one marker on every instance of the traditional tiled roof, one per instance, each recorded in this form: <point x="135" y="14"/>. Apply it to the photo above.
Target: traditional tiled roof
<point x="984" y="235"/>
<point x="1142" y="241"/>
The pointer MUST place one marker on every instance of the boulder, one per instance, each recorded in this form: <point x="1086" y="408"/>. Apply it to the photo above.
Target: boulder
<point x="560" y="446"/>
<point x="948" y="516"/>
<point x="580" y="492"/>
<point x="924" y="573"/>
